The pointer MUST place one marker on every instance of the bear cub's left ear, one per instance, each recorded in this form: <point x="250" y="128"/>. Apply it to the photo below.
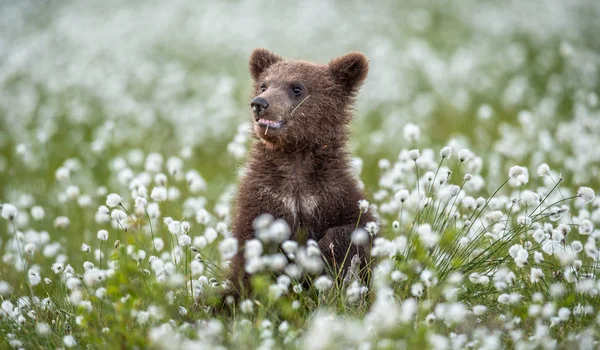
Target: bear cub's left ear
<point x="350" y="71"/>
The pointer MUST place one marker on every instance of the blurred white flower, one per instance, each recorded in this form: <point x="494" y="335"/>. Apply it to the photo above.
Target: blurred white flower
<point x="184" y="240"/>
<point x="102" y="235"/>
<point x="363" y="205"/>
<point x="69" y="341"/>
<point x="446" y="152"/>
<point x="228" y="248"/>
<point x="586" y="194"/>
<point x="323" y="283"/>
<point x="412" y="133"/>
<point x="159" y="194"/>
<point x="543" y="170"/>
<point x="9" y="211"/>
<point x="141" y="202"/>
<point x="113" y="200"/>
<point x="360" y="237"/>
<point x="414" y="154"/>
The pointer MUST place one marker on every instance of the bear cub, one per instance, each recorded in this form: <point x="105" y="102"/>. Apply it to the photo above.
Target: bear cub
<point x="299" y="170"/>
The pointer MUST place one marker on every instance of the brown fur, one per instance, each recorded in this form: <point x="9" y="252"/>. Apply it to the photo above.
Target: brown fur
<point x="304" y="165"/>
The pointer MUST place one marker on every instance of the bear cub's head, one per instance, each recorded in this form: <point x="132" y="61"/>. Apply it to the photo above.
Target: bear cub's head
<point x="299" y="104"/>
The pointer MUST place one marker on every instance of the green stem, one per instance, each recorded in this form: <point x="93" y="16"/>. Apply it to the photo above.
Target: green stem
<point x="151" y="230"/>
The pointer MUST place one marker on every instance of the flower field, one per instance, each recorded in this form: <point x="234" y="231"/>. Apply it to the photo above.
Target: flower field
<point x="124" y="128"/>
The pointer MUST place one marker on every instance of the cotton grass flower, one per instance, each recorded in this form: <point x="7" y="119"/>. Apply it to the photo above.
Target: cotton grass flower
<point x="446" y="152"/>
<point x="586" y="194"/>
<point x="518" y="175"/>
<point x="543" y="170"/>
<point x="69" y="341"/>
<point x="359" y="237"/>
<point x="323" y="283"/>
<point x="102" y="235"/>
<point x="228" y="248"/>
<point x="414" y="154"/>
<point x="412" y="133"/>
<point x="9" y="211"/>
<point x="159" y="194"/>
<point x="363" y="205"/>
<point x="113" y="200"/>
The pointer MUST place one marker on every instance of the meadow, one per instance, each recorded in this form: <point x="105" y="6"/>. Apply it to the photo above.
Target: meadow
<point x="124" y="127"/>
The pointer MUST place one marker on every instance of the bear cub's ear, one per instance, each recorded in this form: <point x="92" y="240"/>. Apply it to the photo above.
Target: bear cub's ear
<point x="260" y="60"/>
<point x="350" y="71"/>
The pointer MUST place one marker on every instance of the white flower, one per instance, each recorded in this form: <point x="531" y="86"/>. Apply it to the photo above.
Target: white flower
<point x="69" y="341"/>
<point x="9" y="211"/>
<point x="141" y="202"/>
<point x="202" y="216"/>
<point x="586" y="193"/>
<point x="113" y="200"/>
<point x="279" y="231"/>
<point x="564" y="314"/>
<point x="464" y="155"/>
<point x="397" y="275"/>
<point x="428" y="278"/>
<point x="538" y="257"/>
<point x="427" y="236"/>
<point x="543" y="170"/>
<point x="519" y="254"/>
<point x="37" y="213"/>
<point x="402" y="196"/>
<point x="160" y="179"/>
<point x="417" y="289"/>
<point x="185" y="226"/>
<point x="159" y="194"/>
<point x="531" y="199"/>
<point x="446" y="152"/>
<point x="228" y="248"/>
<point x="289" y="247"/>
<point x="479" y="310"/>
<point x="211" y="234"/>
<point x="118" y="215"/>
<point x="34" y="277"/>
<point x="197" y="267"/>
<point x="323" y="283"/>
<point x="62" y="222"/>
<point x="184" y="240"/>
<point x="586" y="227"/>
<point x="519" y="175"/>
<point x="62" y="174"/>
<point x="372" y="228"/>
<point x="363" y="205"/>
<point x="412" y="133"/>
<point x="85" y="248"/>
<point x="414" y="154"/>
<point x="246" y="306"/>
<point x="359" y="236"/>
<point x="42" y="329"/>
<point x="174" y="227"/>
<point x="536" y="274"/>
<point x="102" y="235"/>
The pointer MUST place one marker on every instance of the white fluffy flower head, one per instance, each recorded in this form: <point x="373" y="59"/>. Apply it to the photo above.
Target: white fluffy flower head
<point x="113" y="200"/>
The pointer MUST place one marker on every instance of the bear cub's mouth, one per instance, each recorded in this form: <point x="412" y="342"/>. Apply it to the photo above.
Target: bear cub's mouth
<point x="271" y="124"/>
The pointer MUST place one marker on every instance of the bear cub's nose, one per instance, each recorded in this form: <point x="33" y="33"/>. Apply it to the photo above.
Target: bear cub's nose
<point x="259" y="104"/>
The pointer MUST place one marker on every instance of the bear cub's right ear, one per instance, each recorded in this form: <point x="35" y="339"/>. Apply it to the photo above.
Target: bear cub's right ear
<point x="261" y="60"/>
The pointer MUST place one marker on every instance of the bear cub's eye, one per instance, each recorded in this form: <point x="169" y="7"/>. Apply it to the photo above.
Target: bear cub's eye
<point x="297" y="90"/>
<point x="263" y="87"/>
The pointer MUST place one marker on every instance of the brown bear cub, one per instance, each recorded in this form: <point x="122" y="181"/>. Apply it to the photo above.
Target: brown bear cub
<point x="300" y="170"/>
